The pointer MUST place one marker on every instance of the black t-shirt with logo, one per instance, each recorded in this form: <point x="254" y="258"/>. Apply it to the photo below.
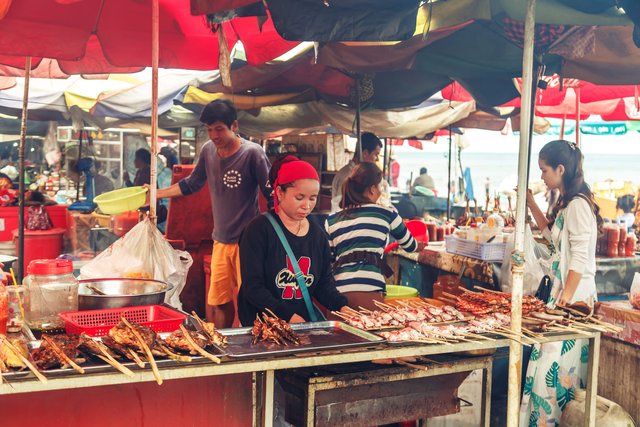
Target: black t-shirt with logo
<point x="268" y="280"/>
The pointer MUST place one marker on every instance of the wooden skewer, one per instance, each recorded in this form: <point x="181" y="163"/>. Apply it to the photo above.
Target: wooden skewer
<point x="478" y="336"/>
<point x="111" y="360"/>
<point x="61" y="355"/>
<point x="353" y="312"/>
<point x="532" y="333"/>
<point x="568" y="329"/>
<point x="491" y="291"/>
<point x="451" y="296"/>
<point x="340" y="315"/>
<point x="174" y="356"/>
<point x="24" y="360"/>
<point x="381" y="306"/>
<point x="364" y="310"/>
<point x="136" y="358"/>
<point x="197" y="348"/>
<point x="147" y="350"/>
<point x="463" y="289"/>
<point x="508" y="336"/>
<point x="123" y="369"/>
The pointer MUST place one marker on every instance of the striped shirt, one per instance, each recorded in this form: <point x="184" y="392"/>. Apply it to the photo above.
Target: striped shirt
<point x="364" y="229"/>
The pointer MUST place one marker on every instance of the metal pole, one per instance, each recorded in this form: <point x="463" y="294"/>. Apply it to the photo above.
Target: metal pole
<point x="155" y="49"/>
<point x="358" y="118"/>
<point x="449" y="177"/>
<point x="517" y="270"/>
<point x="23" y="143"/>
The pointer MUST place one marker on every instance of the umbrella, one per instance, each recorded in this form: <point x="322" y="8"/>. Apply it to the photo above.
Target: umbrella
<point x="98" y="36"/>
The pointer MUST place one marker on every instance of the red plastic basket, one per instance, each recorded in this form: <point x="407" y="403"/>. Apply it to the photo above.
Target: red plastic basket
<point x="97" y="323"/>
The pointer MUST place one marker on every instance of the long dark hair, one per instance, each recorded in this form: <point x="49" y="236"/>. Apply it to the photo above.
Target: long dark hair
<point x="567" y="154"/>
<point x="355" y="186"/>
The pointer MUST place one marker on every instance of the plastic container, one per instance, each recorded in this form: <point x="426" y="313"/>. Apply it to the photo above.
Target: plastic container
<point x="124" y="222"/>
<point x="52" y="289"/>
<point x="400" y="292"/>
<point x="18" y="304"/>
<point x="477" y="250"/>
<point x="40" y="244"/>
<point x="4" y="309"/>
<point x="122" y="200"/>
<point x="97" y="323"/>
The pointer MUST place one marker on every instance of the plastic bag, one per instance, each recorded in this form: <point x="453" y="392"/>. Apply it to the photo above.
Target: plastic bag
<point x="536" y="265"/>
<point x="38" y="219"/>
<point x="143" y="253"/>
<point x="634" y="293"/>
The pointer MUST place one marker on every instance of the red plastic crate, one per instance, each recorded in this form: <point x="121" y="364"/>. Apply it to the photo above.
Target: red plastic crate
<point x="97" y="323"/>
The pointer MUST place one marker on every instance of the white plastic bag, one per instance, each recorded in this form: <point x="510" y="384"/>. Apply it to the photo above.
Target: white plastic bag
<point x="535" y="268"/>
<point x="634" y="293"/>
<point x="143" y="253"/>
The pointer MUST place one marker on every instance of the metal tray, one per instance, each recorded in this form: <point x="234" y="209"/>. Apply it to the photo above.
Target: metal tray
<point x="314" y="336"/>
<point x="94" y="365"/>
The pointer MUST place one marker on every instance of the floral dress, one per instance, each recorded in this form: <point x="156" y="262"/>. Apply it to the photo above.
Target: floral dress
<point x="555" y="369"/>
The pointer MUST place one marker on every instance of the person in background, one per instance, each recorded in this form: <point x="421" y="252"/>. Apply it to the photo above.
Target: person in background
<point x="424" y="180"/>
<point x="358" y="235"/>
<point x="371" y="147"/>
<point x="626" y="204"/>
<point x="268" y="278"/>
<point x="235" y="170"/>
<point x="556" y="369"/>
<point x="395" y="171"/>
<point x="142" y="162"/>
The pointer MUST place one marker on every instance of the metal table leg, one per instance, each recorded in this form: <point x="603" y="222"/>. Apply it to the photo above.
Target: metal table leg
<point x="485" y="415"/>
<point x="592" y="382"/>
<point x="263" y="398"/>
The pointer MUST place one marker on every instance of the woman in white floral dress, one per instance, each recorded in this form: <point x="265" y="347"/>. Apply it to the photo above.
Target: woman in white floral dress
<point x="556" y="369"/>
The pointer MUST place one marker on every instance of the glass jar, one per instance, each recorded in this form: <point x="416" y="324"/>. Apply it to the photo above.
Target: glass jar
<point x="622" y="241"/>
<point x="630" y="245"/>
<point x="613" y="238"/>
<point x="52" y="289"/>
<point x="18" y="306"/>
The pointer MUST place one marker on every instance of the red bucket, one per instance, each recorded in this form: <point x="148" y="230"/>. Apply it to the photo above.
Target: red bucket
<point x="39" y="244"/>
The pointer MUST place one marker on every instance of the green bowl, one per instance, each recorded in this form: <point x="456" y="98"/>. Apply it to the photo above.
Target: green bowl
<point x="395" y="291"/>
<point x="121" y="200"/>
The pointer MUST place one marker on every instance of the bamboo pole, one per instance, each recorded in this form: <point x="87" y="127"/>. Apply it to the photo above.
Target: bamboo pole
<point x="21" y="149"/>
<point x="155" y="50"/>
<point x="517" y="270"/>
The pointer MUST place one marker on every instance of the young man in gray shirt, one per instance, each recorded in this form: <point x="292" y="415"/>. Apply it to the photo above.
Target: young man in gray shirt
<point x="235" y="170"/>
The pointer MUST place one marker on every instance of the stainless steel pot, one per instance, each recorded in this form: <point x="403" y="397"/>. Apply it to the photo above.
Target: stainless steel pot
<point x="121" y="293"/>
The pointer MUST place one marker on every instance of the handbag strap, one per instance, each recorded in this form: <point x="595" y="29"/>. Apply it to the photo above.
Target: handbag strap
<point x="296" y="268"/>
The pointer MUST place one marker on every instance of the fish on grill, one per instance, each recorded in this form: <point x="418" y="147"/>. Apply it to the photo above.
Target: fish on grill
<point x="91" y="347"/>
<point x="178" y="341"/>
<point x="8" y="358"/>
<point x="45" y="357"/>
<point x="123" y="335"/>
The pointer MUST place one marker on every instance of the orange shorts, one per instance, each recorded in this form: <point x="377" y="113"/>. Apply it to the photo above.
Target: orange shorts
<point x="225" y="273"/>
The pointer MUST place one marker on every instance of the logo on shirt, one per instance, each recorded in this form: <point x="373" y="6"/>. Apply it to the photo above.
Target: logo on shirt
<point x="232" y="178"/>
<point x="286" y="278"/>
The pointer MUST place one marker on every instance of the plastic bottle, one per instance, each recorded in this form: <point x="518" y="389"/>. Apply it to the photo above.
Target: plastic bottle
<point x="622" y="241"/>
<point x="630" y="245"/>
<point x="18" y="305"/>
<point x="4" y="309"/>
<point x="613" y="238"/>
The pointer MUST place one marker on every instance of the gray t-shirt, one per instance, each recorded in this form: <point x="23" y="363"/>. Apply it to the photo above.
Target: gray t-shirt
<point x="233" y="186"/>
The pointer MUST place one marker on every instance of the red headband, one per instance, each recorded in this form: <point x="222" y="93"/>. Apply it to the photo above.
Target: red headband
<point x="293" y="171"/>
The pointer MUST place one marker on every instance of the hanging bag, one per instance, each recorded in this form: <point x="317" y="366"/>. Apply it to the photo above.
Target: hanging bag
<point x="314" y="314"/>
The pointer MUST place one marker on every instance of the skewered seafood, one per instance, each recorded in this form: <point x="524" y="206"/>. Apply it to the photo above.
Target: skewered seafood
<point x="178" y="341"/>
<point x="210" y="330"/>
<point x="46" y="357"/>
<point x="273" y="329"/>
<point x="9" y="359"/>
<point x="480" y="303"/>
<point x="123" y="335"/>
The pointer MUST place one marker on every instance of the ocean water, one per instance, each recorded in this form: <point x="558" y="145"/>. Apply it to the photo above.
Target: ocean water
<point x="604" y="158"/>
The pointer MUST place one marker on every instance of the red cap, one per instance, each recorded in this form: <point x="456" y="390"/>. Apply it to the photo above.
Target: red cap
<point x="50" y="266"/>
<point x="293" y="171"/>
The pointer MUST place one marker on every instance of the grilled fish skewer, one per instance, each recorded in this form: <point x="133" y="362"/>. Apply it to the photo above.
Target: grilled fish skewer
<point x="147" y="350"/>
<point x="61" y="354"/>
<point x="197" y="348"/>
<point x="26" y="361"/>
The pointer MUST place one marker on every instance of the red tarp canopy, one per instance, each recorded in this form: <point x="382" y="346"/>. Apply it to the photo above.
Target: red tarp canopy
<point x="98" y="36"/>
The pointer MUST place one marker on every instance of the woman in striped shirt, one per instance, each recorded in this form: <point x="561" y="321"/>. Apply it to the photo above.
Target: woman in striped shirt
<point x="358" y="235"/>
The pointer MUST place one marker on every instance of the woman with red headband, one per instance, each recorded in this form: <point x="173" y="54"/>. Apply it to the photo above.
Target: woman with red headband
<point x="269" y="279"/>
